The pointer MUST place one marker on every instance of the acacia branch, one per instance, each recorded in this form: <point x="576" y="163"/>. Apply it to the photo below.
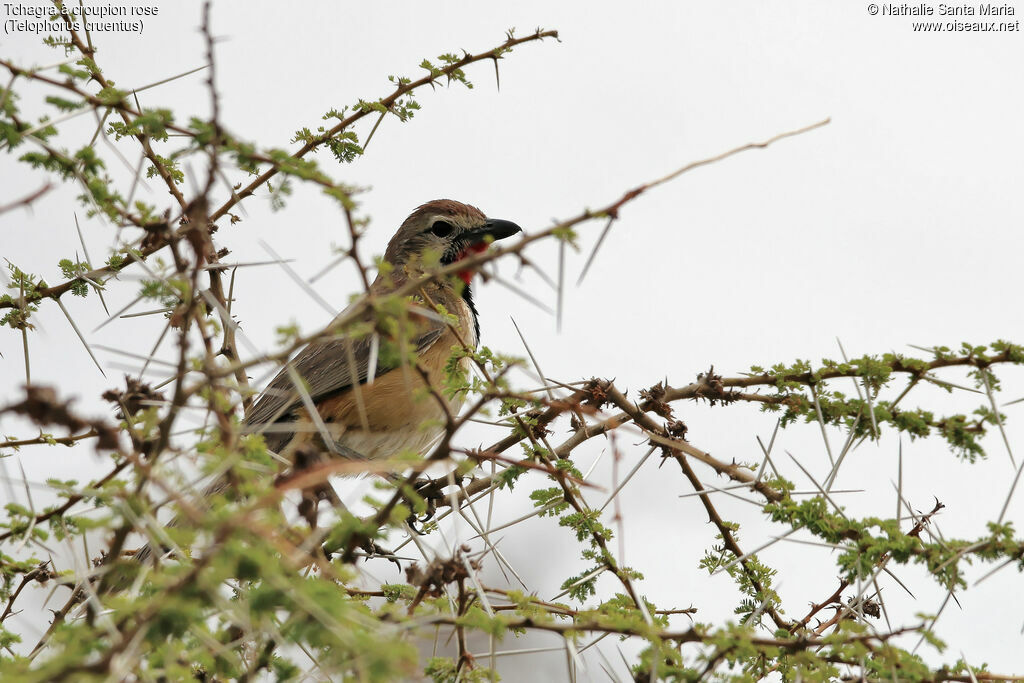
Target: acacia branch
<point x="387" y="103"/>
<point x="126" y="112"/>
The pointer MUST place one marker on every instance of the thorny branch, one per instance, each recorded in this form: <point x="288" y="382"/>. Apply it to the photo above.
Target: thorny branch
<point x="127" y="114"/>
<point x="241" y="537"/>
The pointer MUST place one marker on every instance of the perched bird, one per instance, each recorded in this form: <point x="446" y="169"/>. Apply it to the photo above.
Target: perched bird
<point x="359" y="416"/>
<point x="383" y="415"/>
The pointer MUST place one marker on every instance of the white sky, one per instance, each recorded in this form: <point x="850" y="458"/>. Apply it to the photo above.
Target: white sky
<point x="897" y="223"/>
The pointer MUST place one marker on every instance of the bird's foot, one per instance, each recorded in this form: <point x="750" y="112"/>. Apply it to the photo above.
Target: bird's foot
<point x="413" y="520"/>
<point x="430" y="491"/>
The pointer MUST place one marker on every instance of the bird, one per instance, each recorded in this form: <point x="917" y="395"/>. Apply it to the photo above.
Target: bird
<point x="379" y="416"/>
<point x="368" y="402"/>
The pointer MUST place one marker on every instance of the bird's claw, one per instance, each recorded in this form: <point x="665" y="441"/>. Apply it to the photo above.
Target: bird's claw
<point x="413" y="519"/>
<point x="430" y="491"/>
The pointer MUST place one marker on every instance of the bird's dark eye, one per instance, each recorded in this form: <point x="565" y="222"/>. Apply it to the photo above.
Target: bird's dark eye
<point x="441" y="229"/>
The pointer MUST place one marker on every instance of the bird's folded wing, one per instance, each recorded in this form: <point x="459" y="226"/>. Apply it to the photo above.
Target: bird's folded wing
<point x="328" y="367"/>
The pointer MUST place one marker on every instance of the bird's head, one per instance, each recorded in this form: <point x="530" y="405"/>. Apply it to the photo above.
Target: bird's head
<point x="447" y="230"/>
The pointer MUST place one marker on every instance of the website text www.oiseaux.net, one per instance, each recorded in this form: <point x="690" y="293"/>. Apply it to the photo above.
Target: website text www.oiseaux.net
<point x="966" y="26"/>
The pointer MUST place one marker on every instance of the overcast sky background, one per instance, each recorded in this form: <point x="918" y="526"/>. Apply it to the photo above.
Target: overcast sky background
<point x="898" y="223"/>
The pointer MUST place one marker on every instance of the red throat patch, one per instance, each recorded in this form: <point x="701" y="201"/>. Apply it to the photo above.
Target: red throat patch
<point x="467" y="275"/>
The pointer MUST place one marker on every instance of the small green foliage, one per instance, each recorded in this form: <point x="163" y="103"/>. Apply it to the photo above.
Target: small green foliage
<point x="164" y="291"/>
<point x="550" y="501"/>
<point x="508" y="477"/>
<point x="65" y="105"/>
<point x="582" y="585"/>
<point x="662" y="661"/>
<point x="586" y="524"/>
<point x="567" y="234"/>
<point x="394" y="592"/>
<point x="168" y="166"/>
<point x="73" y="270"/>
<point x="75" y="74"/>
<point x="864" y="414"/>
<point x="278" y="193"/>
<point x="441" y="670"/>
<point x="753" y="578"/>
<point x="111" y="96"/>
<point x="27" y="289"/>
<point x="287" y="334"/>
<point x="345" y="147"/>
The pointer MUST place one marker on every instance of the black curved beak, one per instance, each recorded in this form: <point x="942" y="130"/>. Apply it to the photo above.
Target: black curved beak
<point x="495" y="228"/>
